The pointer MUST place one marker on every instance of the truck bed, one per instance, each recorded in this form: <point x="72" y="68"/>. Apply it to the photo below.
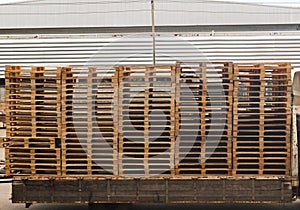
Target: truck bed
<point x="171" y="190"/>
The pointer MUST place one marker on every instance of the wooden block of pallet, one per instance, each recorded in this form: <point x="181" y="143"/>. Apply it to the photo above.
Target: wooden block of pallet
<point x="3" y="142"/>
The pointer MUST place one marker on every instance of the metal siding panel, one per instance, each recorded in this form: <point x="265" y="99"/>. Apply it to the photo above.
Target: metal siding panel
<point x="137" y="50"/>
<point x="73" y="13"/>
<point x="220" y="12"/>
<point x="113" y="13"/>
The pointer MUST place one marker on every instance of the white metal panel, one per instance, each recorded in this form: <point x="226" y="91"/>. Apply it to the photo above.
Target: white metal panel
<point x="199" y="12"/>
<point x="134" y="50"/>
<point x="122" y="13"/>
<point x="75" y="13"/>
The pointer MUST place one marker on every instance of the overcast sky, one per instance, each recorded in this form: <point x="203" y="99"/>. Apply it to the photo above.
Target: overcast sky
<point x="292" y="3"/>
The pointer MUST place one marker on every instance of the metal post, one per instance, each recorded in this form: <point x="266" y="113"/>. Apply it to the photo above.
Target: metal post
<point x="153" y="31"/>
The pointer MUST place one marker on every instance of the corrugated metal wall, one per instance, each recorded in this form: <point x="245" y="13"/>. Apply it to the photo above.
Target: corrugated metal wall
<point x="117" y="13"/>
<point x="94" y="49"/>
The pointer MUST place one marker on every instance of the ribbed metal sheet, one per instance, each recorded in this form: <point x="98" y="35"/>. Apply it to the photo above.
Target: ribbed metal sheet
<point x="56" y="50"/>
<point x="122" y="13"/>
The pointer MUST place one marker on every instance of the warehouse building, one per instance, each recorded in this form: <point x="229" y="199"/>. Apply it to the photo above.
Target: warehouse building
<point x="139" y="32"/>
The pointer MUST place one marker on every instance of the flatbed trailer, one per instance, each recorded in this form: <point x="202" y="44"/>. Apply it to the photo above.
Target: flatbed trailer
<point x="165" y="191"/>
<point x="254" y="159"/>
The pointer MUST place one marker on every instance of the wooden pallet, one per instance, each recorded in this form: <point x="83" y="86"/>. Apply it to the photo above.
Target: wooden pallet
<point x="32" y="162"/>
<point x="34" y="142"/>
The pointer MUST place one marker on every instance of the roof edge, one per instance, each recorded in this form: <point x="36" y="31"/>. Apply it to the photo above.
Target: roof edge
<point x="146" y="29"/>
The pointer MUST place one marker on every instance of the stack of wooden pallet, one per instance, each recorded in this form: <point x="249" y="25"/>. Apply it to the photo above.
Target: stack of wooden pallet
<point x="262" y="119"/>
<point x="89" y="140"/>
<point x="33" y="97"/>
<point x="147" y="120"/>
<point x="160" y="121"/>
<point x="204" y="118"/>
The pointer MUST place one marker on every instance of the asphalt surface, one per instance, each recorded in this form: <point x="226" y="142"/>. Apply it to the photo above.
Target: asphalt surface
<point x="5" y="204"/>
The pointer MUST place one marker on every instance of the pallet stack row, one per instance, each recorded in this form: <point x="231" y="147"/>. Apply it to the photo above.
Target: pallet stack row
<point x="146" y="120"/>
<point x="204" y="118"/>
<point x="89" y="141"/>
<point x="189" y="119"/>
<point x="33" y="97"/>
<point x="262" y="119"/>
